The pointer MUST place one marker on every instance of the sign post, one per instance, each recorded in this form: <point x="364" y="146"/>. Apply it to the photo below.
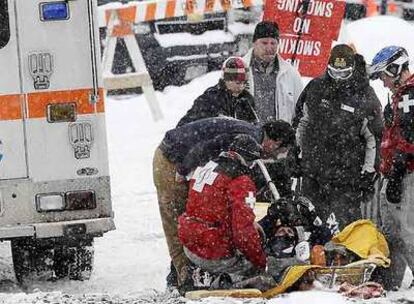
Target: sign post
<point x="307" y="30"/>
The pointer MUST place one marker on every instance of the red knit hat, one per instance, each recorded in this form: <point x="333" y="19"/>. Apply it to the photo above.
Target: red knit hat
<point x="234" y="68"/>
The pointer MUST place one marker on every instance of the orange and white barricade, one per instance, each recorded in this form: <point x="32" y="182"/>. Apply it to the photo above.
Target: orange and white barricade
<point x="120" y="26"/>
<point x="162" y="9"/>
<point x="119" y="21"/>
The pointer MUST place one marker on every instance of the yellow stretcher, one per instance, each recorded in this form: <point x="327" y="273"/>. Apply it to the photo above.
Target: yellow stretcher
<point x="361" y="237"/>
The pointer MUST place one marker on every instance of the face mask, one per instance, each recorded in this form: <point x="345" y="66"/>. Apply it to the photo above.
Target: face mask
<point x="283" y="246"/>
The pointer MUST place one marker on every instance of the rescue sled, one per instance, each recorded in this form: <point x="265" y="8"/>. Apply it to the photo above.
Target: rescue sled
<point x="371" y="248"/>
<point x="361" y="238"/>
<point x="232" y="293"/>
<point x="330" y="277"/>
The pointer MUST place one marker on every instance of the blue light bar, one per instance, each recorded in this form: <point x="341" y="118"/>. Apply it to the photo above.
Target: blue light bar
<point x="54" y="11"/>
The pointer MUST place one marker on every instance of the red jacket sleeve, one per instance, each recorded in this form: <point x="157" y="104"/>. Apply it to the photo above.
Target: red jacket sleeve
<point x="245" y="236"/>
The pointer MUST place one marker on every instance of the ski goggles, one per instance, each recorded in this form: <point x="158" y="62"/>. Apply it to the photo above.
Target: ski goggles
<point x="391" y="67"/>
<point x="392" y="70"/>
<point x="340" y="74"/>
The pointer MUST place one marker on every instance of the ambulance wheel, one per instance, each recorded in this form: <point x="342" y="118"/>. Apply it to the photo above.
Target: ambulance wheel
<point x="32" y="260"/>
<point x="74" y="262"/>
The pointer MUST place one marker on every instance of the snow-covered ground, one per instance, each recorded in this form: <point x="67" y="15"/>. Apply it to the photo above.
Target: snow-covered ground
<point x="131" y="263"/>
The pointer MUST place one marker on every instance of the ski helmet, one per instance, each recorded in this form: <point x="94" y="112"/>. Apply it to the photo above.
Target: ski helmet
<point x="285" y="213"/>
<point x="390" y="60"/>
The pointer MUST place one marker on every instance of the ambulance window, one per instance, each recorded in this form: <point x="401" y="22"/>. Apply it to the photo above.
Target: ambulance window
<point x="4" y="24"/>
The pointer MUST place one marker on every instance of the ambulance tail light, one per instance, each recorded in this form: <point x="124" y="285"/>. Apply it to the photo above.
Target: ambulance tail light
<point x="72" y="200"/>
<point x="50" y="202"/>
<point x="54" y="11"/>
<point x="80" y="200"/>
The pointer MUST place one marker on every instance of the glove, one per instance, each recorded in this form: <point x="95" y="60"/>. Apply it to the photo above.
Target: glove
<point x="367" y="182"/>
<point x="295" y="161"/>
<point x="393" y="191"/>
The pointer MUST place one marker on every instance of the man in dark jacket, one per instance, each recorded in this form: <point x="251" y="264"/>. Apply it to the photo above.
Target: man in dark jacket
<point x="359" y="82"/>
<point x="338" y="148"/>
<point x="227" y="98"/>
<point x="170" y="155"/>
<point x="206" y="150"/>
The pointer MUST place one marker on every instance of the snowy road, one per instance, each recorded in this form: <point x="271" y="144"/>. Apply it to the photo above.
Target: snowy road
<point x="132" y="262"/>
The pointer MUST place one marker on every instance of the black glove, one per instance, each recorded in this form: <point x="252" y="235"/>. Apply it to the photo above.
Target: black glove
<point x="394" y="189"/>
<point x="295" y="162"/>
<point x="367" y="182"/>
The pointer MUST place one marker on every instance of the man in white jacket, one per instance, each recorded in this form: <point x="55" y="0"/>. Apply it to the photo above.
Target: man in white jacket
<point x="274" y="83"/>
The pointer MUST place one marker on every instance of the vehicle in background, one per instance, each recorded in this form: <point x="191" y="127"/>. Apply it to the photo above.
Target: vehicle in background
<point x="177" y="50"/>
<point x="407" y="9"/>
<point x="357" y="9"/>
<point x="54" y="178"/>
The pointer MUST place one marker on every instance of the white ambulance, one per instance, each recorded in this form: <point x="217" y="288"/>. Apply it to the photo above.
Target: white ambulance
<point x="54" y="178"/>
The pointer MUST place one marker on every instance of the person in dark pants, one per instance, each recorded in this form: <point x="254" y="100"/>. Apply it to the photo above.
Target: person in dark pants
<point x="170" y="156"/>
<point x="338" y="148"/>
<point x="391" y="66"/>
<point x="227" y="98"/>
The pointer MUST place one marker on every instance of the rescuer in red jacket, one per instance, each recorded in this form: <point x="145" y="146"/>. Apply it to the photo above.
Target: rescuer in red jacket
<point x="218" y="229"/>
<point x="391" y="66"/>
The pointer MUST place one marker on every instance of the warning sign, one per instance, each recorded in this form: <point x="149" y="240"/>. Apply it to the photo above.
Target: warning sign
<point x="307" y="29"/>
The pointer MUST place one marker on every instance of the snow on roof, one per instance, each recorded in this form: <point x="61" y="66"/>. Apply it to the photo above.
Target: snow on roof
<point x="209" y="37"/>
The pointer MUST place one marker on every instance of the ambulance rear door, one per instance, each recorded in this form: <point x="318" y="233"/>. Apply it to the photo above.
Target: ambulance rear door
<point x="12" y="140"/>
<point x="61" y="80"/>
